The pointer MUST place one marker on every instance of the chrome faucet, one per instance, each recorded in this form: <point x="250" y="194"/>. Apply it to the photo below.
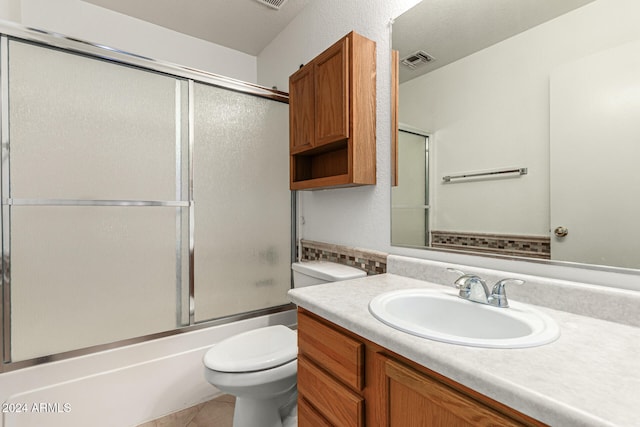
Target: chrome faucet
<point x="474" y="288"/>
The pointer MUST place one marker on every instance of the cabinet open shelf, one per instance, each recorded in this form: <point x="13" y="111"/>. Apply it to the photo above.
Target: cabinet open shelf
<point x="317" y="168"/>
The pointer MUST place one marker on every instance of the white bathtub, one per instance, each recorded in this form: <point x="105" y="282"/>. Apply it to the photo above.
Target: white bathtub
<point x="126" y="386"/>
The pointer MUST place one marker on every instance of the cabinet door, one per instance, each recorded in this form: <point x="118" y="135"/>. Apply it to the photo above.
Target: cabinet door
<point x="414" y="399"/>
<point x="331" y="70"/>
<point x="301" y="110"/>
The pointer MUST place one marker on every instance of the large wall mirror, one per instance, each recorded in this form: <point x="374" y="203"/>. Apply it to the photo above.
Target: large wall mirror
<point x="529" y="120"/>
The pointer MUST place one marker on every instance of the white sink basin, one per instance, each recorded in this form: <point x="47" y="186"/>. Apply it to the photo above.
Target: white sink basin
<point x="442" y="316"/>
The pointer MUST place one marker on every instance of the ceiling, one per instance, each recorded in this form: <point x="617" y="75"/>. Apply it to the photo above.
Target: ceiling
<point x="452" y="29"/>
<point x="446" y="29"/>
<point x="243" y="25"/>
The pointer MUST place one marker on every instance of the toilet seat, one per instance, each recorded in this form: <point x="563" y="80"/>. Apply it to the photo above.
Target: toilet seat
<point x="255" y="350"/>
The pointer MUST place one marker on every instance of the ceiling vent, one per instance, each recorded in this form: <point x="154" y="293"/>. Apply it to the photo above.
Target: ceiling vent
<point x="417" y="59"/>
<point x="274" y="4"/>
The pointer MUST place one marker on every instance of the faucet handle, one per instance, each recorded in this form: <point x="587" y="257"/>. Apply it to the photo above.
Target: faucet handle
<point x="461" y="282"/>
<point x="499" y="294"/>
<point x="464" y="283"/>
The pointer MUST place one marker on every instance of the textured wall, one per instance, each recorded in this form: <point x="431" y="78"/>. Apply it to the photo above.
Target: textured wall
<point x="351" y="216"/>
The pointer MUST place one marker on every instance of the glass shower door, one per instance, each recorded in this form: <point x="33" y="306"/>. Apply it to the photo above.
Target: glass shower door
<point x="134" y="203"/>
<point x="242" y="203"/>
<point x="95" y="201"/>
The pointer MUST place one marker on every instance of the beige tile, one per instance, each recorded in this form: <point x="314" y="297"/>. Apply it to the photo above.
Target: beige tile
<point x="214" y="413"/>
<point x="178" y="419"/>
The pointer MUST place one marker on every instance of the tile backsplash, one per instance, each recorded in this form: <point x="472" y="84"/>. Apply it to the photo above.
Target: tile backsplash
<point x="373" y="262"/>
<point x="504" y="244"/>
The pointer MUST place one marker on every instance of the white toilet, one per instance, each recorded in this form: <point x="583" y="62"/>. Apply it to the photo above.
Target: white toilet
<point x="259" y="367"/>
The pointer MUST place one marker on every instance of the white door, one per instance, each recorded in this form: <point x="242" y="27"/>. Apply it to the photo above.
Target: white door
<point x="595" y="158"/>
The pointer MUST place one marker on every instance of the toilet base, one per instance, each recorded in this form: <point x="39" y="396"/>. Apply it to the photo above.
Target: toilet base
<point x="291" y="420"/>
<point x="250" y="412"/>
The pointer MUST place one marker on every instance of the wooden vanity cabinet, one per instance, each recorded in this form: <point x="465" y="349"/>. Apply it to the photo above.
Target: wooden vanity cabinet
<point x="330" y="373"/>
<point x="332" y="117"/>
<point x="345" y="380"/>
<point x="436" y="404"/>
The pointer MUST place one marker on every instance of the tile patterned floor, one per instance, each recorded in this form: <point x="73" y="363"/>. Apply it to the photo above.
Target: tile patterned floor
<point x="214" y="413"/>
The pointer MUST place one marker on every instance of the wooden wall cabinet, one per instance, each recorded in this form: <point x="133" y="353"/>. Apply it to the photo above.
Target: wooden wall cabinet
<point x="332" y="117"/>
<point x="345" y="380"/>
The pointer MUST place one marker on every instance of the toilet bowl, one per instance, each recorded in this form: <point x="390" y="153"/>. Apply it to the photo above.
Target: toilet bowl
<point x="259" y="367"/>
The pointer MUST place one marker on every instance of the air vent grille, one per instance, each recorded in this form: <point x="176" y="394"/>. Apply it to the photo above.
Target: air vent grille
<point x="275" y="4"/>
<point x="417" y="59"/>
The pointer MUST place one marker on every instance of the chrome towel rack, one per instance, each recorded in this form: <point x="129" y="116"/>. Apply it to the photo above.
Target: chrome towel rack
<point x="519" y="171"/>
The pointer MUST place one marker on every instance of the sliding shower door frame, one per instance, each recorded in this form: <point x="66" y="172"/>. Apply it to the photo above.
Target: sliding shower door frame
<point x="185" y="321"/>
<point x="5" y="213"/>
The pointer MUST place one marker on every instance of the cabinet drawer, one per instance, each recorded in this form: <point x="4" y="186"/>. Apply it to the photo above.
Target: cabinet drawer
<point x="339" y="405"/>
<point x="309" y="417"/>
<point x="334" y="351"/>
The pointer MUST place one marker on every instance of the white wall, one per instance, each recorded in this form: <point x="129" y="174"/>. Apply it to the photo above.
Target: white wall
<point x="10" y="10"/>
<point x="92" y="23"/>
<point x="491" y="110"/>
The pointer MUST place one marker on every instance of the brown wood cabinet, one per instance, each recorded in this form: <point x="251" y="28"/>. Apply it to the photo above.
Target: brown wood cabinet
<point x="395" y="110"/>
<point x="345" y="380"/>
<point x="332" y="117"/>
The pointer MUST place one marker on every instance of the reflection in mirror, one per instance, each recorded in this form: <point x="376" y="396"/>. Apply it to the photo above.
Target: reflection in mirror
<point x="410" y="196"/>
<point x="544" y="85"/>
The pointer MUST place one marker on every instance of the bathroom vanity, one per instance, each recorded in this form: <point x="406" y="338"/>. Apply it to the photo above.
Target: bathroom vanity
<point x="346" y="380"/>
<point x="354" y="370"/>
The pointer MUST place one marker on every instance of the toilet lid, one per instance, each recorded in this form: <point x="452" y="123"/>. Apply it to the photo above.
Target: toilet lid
<point x="326" y="270"/>
<point x="254" y="350"/>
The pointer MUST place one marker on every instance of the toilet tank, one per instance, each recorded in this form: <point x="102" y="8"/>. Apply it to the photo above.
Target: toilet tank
<point x="309" y="273"/>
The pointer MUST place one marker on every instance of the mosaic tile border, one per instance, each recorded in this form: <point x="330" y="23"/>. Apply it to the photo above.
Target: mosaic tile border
<point x="373" y="262"/>
<point x="503" y="244"/>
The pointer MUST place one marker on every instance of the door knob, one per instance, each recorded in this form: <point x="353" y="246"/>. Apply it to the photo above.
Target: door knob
<point x="561" y="231"/>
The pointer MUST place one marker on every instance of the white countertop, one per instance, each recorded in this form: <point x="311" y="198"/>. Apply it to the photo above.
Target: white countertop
<point x="590" y="376"/>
